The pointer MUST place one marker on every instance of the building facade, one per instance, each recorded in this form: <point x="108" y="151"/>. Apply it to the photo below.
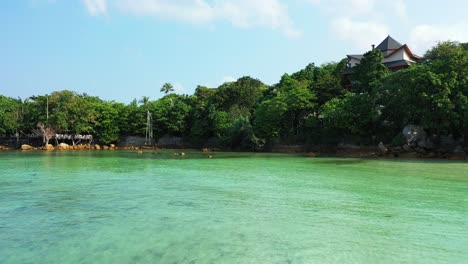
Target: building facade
<point x="396" y="55"/>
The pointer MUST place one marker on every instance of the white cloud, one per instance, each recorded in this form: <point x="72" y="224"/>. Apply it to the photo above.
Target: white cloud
<point x="400" y="8"/>
<point x="271" y="14"/>
<point x="226" y="79"/>
<point x="426" y="36"/>
<point x="361" y="34"/>
<point x="347" y="7"/>
<point x="179" y="88"/>
<point x="263" y="13"/>
<point x="223" y="80"/>
<point x="96" y="7"/>
<point x="194" y="11"/>
<point x="361" y="22"/>
<point x="359" y="8"/>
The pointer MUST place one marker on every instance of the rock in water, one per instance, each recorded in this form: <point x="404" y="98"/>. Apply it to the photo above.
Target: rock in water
<point x="97" y="147"/>
<point x="63" y="146"/>
<point x="49" y="147"/>
<point x="26" y="147"/>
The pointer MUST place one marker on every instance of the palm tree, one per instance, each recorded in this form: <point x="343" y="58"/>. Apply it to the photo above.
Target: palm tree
<point x="144" y="100"/>
<point x="149" y="119"/>
<point x="167" y="88"/>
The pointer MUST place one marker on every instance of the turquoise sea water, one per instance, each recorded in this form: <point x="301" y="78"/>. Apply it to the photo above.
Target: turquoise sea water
<point x="121" y="207"/>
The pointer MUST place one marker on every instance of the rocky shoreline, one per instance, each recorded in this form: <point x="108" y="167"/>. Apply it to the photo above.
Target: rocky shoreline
<point x="64" y="146"/>
<point x="401" y="155"/>
<point x="379" y="152"/>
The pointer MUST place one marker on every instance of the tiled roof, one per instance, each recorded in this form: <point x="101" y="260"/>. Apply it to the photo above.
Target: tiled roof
<point x="398" y="63"/>
<point x="388" y="45"/>
<point x="356" y="56"/>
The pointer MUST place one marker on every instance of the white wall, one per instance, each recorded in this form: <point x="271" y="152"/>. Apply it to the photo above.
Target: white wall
<point x="353" y="62"/>
<point x="399" y="55"/>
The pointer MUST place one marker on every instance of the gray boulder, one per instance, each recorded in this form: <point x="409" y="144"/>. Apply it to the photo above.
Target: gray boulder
<point x="382" y="149"/>
<point x="415" y="136"/>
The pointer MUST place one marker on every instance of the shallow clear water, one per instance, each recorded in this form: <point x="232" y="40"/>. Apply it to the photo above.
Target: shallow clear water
<point x="121" y="207"/>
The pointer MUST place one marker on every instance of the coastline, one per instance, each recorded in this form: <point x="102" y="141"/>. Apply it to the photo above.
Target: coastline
<point x="368" y="152"/>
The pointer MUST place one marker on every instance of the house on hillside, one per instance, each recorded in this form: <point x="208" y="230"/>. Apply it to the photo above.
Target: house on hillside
<point x="396" y="55"/>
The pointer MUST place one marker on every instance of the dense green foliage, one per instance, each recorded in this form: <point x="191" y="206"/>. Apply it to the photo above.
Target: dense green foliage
<point x="312" y="105"/>
<point x="10" y="115"/>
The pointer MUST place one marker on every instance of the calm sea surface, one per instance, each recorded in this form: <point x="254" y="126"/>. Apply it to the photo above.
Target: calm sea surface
<point x="121" y="207"/>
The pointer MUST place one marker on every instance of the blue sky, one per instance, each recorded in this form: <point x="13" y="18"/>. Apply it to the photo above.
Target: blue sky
<point x="124" y="49"/>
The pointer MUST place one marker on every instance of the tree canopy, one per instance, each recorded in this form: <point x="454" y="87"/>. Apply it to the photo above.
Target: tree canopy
<point x="310" y="105"/>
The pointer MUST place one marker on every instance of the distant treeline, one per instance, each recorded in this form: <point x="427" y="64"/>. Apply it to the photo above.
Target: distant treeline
<point x="312" y="106"/>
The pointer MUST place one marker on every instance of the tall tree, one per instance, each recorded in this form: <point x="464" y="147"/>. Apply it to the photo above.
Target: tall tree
<point x="449" y="60"/>
<point x="354" y="114"/>
<point x="10" y="115"/>
<point x="171" y="115"/>
<point x="133" y="119"/>
<point x="369" y="73"/>
<point x="269" y="118"/>
<point x="418" y="96"/>
<point x="167" y="88"/>
<point x="327" y="83"/>
<point x="46" y="132"/>
<point x="144" y="101"/>
<point x="301" y="105"/>
<point x="149" y="120"/>
<point x="107" y="125"/>
<point x="240" y="97"/>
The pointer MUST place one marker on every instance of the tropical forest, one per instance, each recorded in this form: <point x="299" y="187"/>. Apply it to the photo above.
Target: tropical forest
<point x="317" y="105"/>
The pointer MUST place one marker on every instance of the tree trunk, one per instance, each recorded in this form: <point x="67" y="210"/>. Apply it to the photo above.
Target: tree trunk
<point x="17" y="138"/>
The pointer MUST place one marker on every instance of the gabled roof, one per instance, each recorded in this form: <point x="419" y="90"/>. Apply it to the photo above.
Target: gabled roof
<point x="408" y="51"/>
<point x="359" y="57"/>
<point x="388" y="45"/>
<point x="398" y="63"/>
